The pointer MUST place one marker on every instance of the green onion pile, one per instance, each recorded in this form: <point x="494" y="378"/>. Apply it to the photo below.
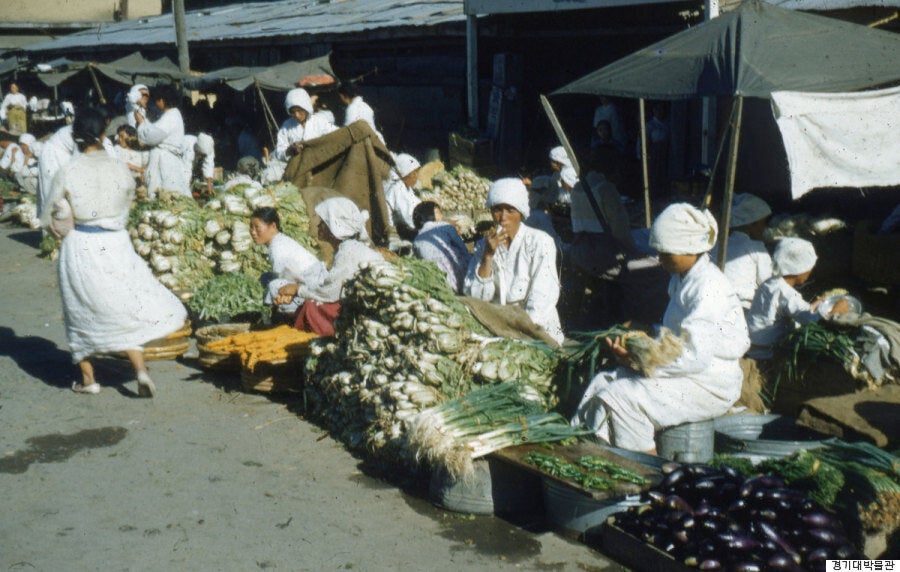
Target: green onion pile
<point x="230" y="296"/>
<point x="806" y="346"/>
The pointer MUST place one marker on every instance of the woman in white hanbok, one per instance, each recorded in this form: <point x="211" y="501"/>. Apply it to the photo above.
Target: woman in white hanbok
<point x="625" y="408"/>
<point x="111" y="301"/>
<point x="292" y="265"/>
<point x="165" y="138"/>
<point x="516" y="264"/>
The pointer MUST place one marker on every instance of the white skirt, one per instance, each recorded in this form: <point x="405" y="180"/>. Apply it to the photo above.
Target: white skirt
<point x="111" y="300"/>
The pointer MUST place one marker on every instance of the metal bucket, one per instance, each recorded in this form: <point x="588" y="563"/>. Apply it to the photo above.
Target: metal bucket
<point x="574" y="513"/>
<point x="687" y="443"/>
<point x="759" y="437"/>
<point x="496" y="488"/>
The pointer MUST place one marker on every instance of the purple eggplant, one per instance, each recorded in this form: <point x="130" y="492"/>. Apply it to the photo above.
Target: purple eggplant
<point x="670" y="467"/>
<point x="747" y="567"/>
<point x="742" y="543"/>
<point x="770" y="533"/>
<point x="782" y="561"/>
<point x="821" y="519"/>
<point x="845" y="552"/>
<point x="672" y="479"/>
<point x="675" y="502"/>
<point x="825" y="536"/>
<point x="820" y="555"/>
<point x="711" y="564"/>
<point x="655" y="497"/>
<point x="751" y="485"/>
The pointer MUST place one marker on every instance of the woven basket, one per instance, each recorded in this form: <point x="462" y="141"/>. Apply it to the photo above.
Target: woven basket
<point x="876" y="257"/>
<point x="170" y="347"/>
<point x="214" y="359"/>
<point x="280" y="376"/>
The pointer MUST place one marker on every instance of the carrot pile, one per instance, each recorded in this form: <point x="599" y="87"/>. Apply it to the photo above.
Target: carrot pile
<point x="281" y="343"/>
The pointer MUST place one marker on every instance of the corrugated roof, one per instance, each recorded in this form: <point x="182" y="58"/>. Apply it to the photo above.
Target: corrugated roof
<point x="283" y="18"/>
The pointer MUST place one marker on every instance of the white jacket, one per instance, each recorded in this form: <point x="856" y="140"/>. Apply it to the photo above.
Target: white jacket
<point x="776" y="306"/>
<point x="57" y="152"/>
<point x="401" y="201"/>
<point x="747" y="265"/>
<point x="292" y="264"/>
<point x="523" y="275"/>
<point x="350" y="255"/>
<point x="292" y="131"/>
<point x="359" y="110"/>
<point x="165" y="169"/>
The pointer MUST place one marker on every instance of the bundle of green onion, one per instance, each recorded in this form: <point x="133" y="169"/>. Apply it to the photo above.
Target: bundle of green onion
<point x="808" y="345"/>
<point x="490" y="418"/>
<point x="229" y="296"/>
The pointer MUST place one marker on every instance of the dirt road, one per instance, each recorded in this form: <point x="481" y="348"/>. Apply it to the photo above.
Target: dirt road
<point x="204" y="477"/>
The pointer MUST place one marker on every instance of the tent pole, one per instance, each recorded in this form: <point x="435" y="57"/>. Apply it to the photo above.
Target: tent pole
<point x="707" y="198"/>
<point x="96" y="84"/>
<point x="267" y="112"/>
<point x="644" y="168"/>
<point x="560" y="134"/>
<point x="729" y="180"/>
<point x="472" y="68"/>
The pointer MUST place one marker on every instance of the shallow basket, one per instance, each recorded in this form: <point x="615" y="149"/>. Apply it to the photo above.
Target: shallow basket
<point x="170" y="347"/>
<point x="214" y="359"/>
<point x="279" y="376"/>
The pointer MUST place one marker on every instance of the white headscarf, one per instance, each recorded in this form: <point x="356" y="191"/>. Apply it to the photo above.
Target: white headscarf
<point x="568" y="176"/>
<point x="510" y="192"/>
<point x="298" y="97"/>
<point x="205" y="144"/>
<point x="747" y="209"/>
<point x="794" y="256"/>
<point x="134" y="94"/>
<point x="683" y="229"/>
<point x="405" y="164"/>
<point x="343" y="218"/>
<point x="559" y="155"/>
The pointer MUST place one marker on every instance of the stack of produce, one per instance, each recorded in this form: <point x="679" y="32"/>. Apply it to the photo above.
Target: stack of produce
<point x="802" y="226"/>
<point x="718" y="519"/>
<point x="589" y="471"/>
<point x="186" y="244"/>
<point x="858" y="480"/>
<point x="230" y="297"/>
<point x="403" y="343"/>
<point x="275" y="345"/>
<point x="25" y="212"/>
<point x="459" y="189"/>
<point x="452" y="435"/>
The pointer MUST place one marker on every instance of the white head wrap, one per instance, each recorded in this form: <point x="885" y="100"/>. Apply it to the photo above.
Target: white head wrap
<point x="683" y="229"/>
<point x="569" y="176"/>
<point x="134" y="94"/>
<point x="27" y="139"/>
<point x="406" y="164"/>
<point x="747" y="209"/>
<point x="298" y="97"/>
<point x="205" y="144"/>
<point x="343" y="218"/>
<point x="510" y="192"/>
<point x="794" y="256"/>
<point x="559" y="155"/>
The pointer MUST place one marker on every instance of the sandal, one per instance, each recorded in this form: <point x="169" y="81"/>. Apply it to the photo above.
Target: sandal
<point x="92" y="389"/>
<point x="145" y="385"/>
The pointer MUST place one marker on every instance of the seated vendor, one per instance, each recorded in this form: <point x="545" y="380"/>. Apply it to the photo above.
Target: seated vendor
<point x="439" y="242"/>
<point x="777" y="306"/>
<point x="292" y="265"/>
<point x="747" y="262"/>
<point x="625" y="407"/>
<point x="399" y="195"/>
<point x="343" y="226"/>
<point x="516" y="264"/>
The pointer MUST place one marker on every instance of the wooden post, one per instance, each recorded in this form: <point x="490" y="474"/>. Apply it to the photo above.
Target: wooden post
<point x="644" y="168"/>
<point x="729" y="180"/>
<point x="472" y="69"/>
<point x="184" y="58"/>
<point x="560" y="134"/>
<point x="100" y="96"/>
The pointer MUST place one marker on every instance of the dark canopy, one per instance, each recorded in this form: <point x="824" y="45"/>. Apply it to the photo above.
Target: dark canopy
<point x="280" y="77"/>
<point x="752" y="51"/>
<point x="131" y="69"/>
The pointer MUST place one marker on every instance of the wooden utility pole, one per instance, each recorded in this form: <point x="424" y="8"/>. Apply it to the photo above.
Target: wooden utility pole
<point x="184" y="58"/>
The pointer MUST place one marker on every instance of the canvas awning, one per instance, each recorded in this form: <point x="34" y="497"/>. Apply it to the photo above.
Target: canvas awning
<point x="752" y="51"/>
<point x="131" y="69"/>
<point x="280" y="77"/>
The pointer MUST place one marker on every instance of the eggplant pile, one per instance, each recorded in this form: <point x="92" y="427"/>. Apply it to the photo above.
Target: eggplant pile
<point x="716" y="519"/>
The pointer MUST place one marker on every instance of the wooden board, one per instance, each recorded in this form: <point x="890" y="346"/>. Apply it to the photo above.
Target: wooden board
<point x="570" y="453"/>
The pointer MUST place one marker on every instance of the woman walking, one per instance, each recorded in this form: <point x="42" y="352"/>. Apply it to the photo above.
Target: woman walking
<point x="111" y="301"/>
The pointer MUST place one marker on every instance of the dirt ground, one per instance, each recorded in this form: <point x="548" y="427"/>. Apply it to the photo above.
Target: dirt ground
<point x="204" y="477"/>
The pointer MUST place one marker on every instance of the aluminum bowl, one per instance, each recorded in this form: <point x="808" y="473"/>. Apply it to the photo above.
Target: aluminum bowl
<point x="828" y="303"/>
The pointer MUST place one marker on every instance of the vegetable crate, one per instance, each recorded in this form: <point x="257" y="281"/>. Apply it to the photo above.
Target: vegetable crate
<point x="635" y="554"/>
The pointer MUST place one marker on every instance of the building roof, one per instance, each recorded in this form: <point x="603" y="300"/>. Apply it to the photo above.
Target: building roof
<point x="261" y="20"/>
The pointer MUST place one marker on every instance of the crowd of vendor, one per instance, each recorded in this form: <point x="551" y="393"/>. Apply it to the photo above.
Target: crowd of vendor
<point x="84" y="183"/>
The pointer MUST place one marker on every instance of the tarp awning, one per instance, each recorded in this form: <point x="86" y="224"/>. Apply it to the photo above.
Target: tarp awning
<point x="280" y="77"/>
<point x="131" y="69"/>
<point x="752" y="51"/>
